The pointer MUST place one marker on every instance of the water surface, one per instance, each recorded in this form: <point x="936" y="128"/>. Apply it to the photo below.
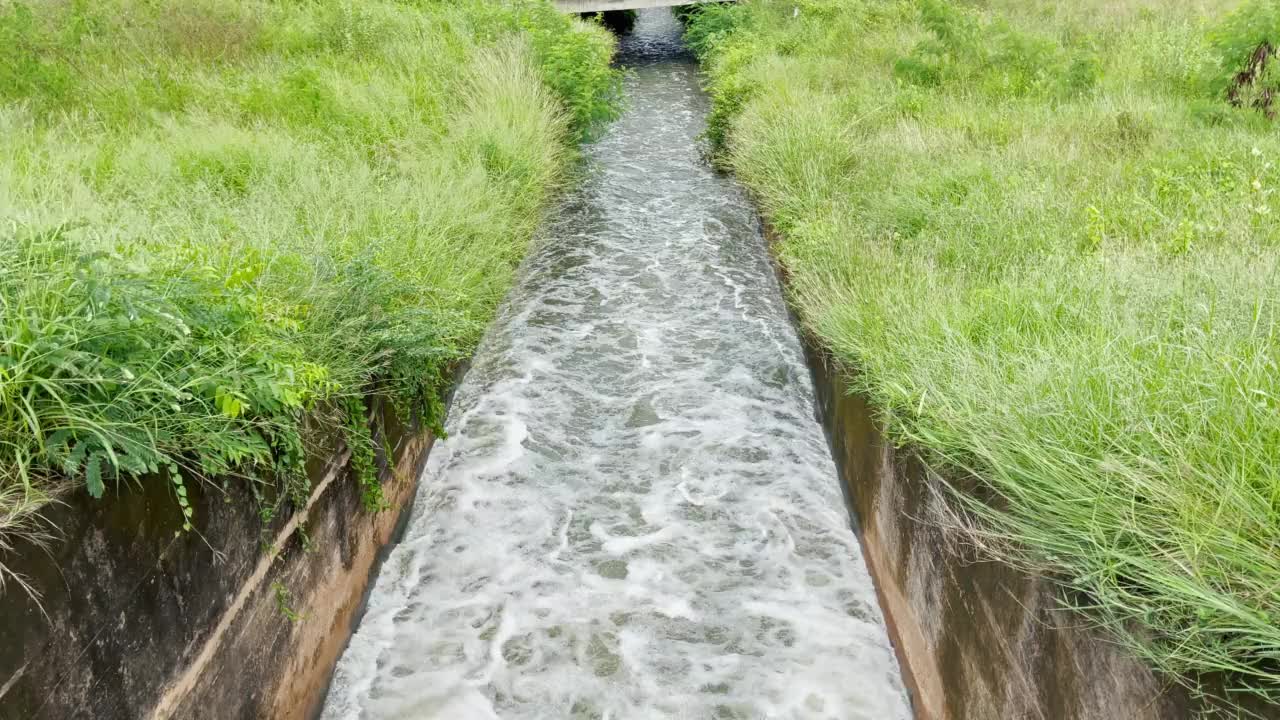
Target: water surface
<point x="635" y="515"/>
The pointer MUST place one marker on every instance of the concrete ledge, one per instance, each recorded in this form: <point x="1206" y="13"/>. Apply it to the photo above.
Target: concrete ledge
<point x="978" y="638"/>
<point x="145" y="622"/>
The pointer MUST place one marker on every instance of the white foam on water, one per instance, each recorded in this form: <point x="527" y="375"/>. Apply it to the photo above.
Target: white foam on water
<point x="635" y="515"/>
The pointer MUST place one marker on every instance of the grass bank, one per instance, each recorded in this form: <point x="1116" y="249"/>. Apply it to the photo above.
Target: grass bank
<point x="225" y="223"/>
<point x="1046" y="237"/>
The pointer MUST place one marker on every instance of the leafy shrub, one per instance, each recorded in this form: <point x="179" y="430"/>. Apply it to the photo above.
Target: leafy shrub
<point x="1247" y="44"/>
<point x="707" y="27"/>
<point x="111" y="373"/>
<point x="575" y="64"/>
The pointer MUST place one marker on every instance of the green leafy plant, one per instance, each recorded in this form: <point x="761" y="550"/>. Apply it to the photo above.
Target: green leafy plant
<point x="575" y="64"/>
<point x="363" y="460"/>
<point x="284" y="602"/>
<point x="1247" y="43"/>
<point x="708" y="29"/>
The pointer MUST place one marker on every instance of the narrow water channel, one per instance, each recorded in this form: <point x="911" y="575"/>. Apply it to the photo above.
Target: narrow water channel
<point x="635" y="515"/>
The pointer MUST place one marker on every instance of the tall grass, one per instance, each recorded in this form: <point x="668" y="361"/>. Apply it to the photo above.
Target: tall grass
<point x="1047" y="244"/>
<point x="224" y="223"/>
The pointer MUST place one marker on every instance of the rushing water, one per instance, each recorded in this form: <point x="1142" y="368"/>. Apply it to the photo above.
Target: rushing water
<point x="635" y="515"/>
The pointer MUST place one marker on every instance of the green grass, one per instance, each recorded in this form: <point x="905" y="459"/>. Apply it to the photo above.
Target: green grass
<point x="1047" y="245"/>
<point x="225" y="223"/>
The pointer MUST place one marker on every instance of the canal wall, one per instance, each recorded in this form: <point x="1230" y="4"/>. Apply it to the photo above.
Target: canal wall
<point x="978" y="639"/>
<point x="237" y="620"/>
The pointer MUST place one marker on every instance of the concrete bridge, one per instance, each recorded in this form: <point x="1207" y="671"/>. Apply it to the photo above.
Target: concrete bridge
<point x="591" y="6"/>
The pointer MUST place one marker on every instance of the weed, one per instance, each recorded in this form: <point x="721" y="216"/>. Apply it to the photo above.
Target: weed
<point x="284" y="600"/>
<point x="1246" y="44"/>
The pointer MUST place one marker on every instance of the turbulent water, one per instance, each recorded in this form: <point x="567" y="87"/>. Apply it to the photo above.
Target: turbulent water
<point x="635" y="515"/>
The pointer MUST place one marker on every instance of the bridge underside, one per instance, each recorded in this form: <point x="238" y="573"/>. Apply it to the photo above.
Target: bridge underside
<point x="591" y="6"/>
